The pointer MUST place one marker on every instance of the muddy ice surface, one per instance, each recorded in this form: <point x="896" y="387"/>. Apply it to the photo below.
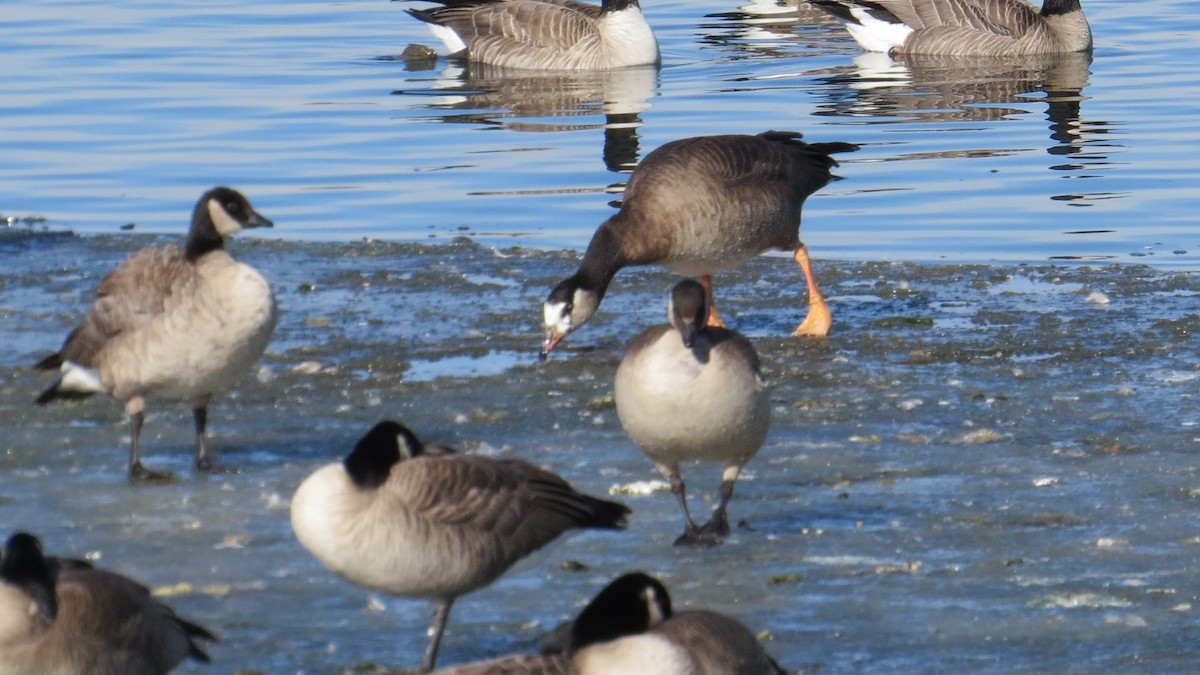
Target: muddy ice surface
<point x="983" y="468"/>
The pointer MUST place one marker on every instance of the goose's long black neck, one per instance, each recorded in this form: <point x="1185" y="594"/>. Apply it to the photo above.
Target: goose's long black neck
<point x="602" y="260"/>
<point x="203" y="237"/>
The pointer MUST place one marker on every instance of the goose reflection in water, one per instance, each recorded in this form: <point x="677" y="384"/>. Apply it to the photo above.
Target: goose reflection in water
<point x="773" y="28"/>
<point x="946" y="89"/>
<point x="544" y="101"/>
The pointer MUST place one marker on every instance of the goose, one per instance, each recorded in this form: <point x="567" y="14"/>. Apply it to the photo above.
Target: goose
<point x="544" y="34"/>
<point x="698" y="206"/>
<point x="691" y="642"/>
<point x="68" y="618"/>
<point x="422" y="521"/>
<point x="689" y="391"/>
<point x="630" y="604"/>
<point x="630" y="627"/>
<point x="172" y="323"/>
<point x="964" y="27"/>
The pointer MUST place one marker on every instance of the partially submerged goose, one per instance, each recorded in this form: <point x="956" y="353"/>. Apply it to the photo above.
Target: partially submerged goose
<point x="964" y="27"/>
<point x="688" y="391"/>
<point x="544" y="34"/>
<point x="172" y="323"/>
<point x="65" y="617"/>
<point x="422" y="521"/>
<point x="698" y="206"/>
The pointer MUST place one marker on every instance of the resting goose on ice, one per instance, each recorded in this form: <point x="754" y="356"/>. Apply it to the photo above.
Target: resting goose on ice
<point x="66" y="617"/>
<point x="423" y="521"/>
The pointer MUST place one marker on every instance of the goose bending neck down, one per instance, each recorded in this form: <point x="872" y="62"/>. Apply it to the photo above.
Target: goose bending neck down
<point x="172" y="323"/>
<point x="422" y="521"/>
<point x="689" y="391"/>
<point x="544" y="34"/>
<point x="66" y="617"/>
<point x="964" y="27"/>
<point x="698" y="206"/>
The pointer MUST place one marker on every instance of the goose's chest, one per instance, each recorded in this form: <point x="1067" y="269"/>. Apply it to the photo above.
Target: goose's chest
<point x="627" y="38"/>
<point x="208" y="334"/>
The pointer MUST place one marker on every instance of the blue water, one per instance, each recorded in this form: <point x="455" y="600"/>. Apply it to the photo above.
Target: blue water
<point x="123" y="114"/>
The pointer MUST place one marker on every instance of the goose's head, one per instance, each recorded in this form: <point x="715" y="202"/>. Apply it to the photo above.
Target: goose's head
<point x="230" y="211"/>
<point x="387" y="443"/>
<point x="25" y="568"/>
<point x="567" y="308"/>
<point x="687" y="310"/>
<point x="221" y="212"/>
<point x="632" y="603"/>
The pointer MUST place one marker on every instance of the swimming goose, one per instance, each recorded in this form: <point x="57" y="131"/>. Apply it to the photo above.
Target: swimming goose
<point x="65" y="617"/>
<point x="630" y="604"/>
<point x="698" y="206"/>
<point x="690" y="391"/>
<point x="422" y="521"/>
<point x="172" y="323"/>
<point x="544" y="34"/>
<point x="964" y="27"/>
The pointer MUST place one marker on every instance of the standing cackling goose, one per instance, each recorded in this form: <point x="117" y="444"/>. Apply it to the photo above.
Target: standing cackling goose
<point x="628" y="605"/>
<point x="690" y="391"/>
<point x="422" y="521"/>
<point x="544" y="34"/>
<point x="964" y="27"/>
<point x="172" y="323"/>
<point x="67" y="618"/>
<point x="698" y="206"/>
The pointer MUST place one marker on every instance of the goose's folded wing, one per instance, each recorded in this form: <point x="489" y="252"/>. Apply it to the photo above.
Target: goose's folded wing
<point x="129" y="296"/>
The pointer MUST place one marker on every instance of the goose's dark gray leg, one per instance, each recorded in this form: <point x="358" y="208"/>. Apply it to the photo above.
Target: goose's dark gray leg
<point x="200" y="420"/>
<point x="693" y="535"/>
<point x="718" y="525"/>
<point x="679" y="489"/>
<point x="440" y="617"/>
<point x="137" y="472"/>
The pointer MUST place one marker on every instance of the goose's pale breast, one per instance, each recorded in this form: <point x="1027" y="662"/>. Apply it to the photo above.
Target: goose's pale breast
<point x="202" y="341"/>
<point x="677" y="408"/>
<point x="645" y="654"/>
<point x="627" y="39"/>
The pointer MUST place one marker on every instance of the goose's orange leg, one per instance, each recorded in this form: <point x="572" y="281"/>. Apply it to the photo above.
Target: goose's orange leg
<point x="819" y="318"/>
<point x="713" y="318"/>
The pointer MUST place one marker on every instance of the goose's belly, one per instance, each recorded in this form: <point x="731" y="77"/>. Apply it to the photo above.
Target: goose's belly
<point x="703" y="246"/>
<point x="199" y="345"/>
<point x="696" y="264"/>
<point x="677" y="409"/>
